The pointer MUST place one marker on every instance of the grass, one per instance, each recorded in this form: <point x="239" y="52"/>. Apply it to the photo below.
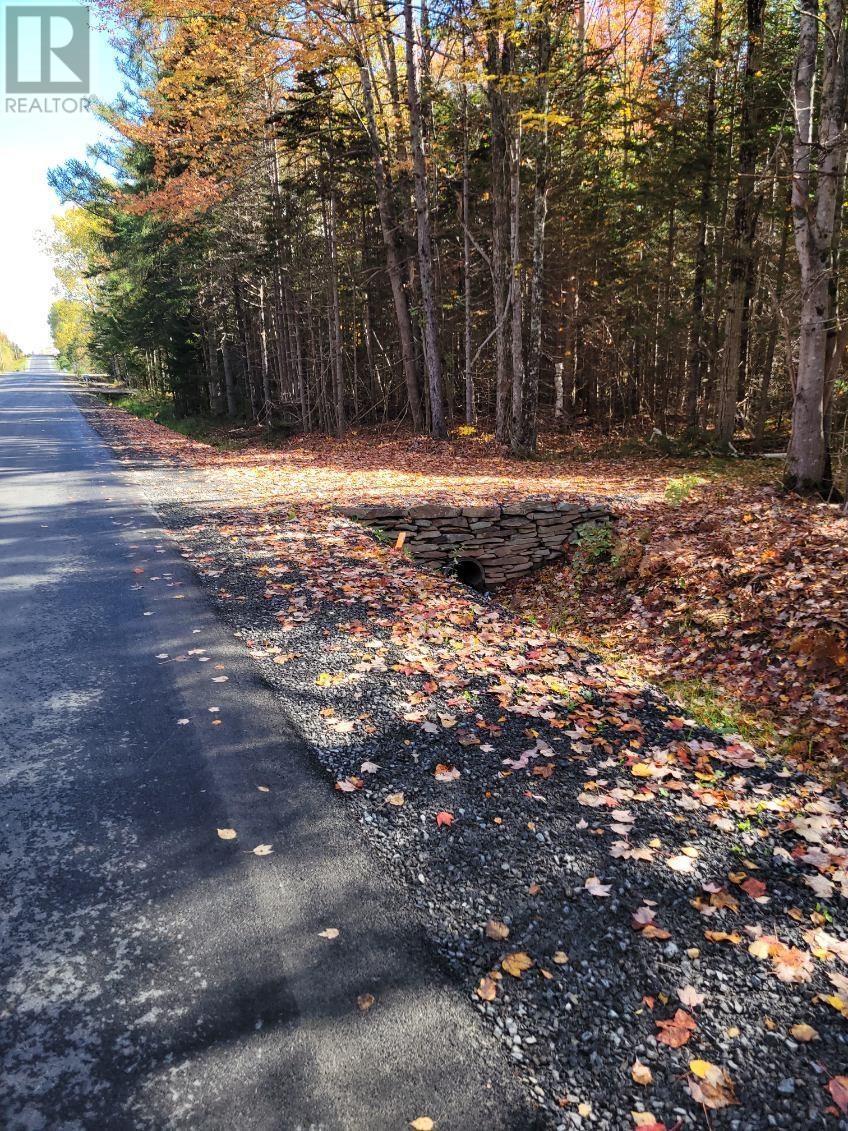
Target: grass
<point x="160" y="409"/>
<point x="710" y="705"/>
<point x="719" y="710"/>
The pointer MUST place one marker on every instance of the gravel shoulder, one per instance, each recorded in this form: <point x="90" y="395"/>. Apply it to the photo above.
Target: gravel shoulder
<point x="626" y="897"/>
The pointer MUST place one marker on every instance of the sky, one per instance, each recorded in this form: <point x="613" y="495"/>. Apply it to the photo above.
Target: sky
<point x="39" y="130"/>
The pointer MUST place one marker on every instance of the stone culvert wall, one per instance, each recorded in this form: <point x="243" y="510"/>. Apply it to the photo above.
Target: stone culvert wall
<point x="505" y="541"/>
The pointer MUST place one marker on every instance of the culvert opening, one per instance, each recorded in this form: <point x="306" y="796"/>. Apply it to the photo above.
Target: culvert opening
<point x="471" y="573"/>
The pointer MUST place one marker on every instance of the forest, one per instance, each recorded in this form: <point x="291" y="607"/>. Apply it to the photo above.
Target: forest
<point x="526" y="216"/>
<point x="11" y="355"/>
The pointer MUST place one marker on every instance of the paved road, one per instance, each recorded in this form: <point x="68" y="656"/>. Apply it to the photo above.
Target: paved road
<point x="155" y="975"/>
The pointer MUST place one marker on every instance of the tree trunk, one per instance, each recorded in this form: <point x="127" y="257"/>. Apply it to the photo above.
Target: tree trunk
<point x="394" y="266"/>
<point x="470" y="410"/>
<point x="745" y="213"/>
<point x="814" y="209"/>
<point x="432" y="353"/>
<point x="697" y="343"/>
<point x="498" y="67"/>
<point x="329" y="210"/>
<point x="229" y="380"/>
<point x="525" y="406"/>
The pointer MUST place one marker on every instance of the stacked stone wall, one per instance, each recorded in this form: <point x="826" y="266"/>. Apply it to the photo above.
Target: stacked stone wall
<point x="506" y="540"/>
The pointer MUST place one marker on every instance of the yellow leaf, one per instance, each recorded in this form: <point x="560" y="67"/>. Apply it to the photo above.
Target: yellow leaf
<point x="804" y="1032"/>
<point x="560" y="958"/>
<point x="227" y="834"/>
<point x="701" y="1068"/>
<point x="641" y="770"/>
<point x="584" y="1109"/>
<point x="642" y="1119"/>
<point x="516" y="963"/>
<point x="422" y="1123"/>
<point x="833" y="999"/>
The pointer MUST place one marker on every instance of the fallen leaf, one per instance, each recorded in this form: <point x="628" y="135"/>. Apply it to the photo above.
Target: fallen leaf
<point x="329" y="933"/>
<point x="689" y="996"/>
<point x="263" y="850"/>
<point x="712" y="1087"/>
<point x="723" y="936"/>
<point x="641" y="1073"/>
<point x="487" y="990"/>
<point x="496" y="930"/>
<point x="804" y="1032"/>
<point x="396" y="799"/>
<point x="227" y="834"/>
<point x="443" y="817"/>
<point x="365" y="1001"/>
<point x="446" y="773"/>
<point x="680" y="863"/>
<point x="594" y="887"/>
<point x="838" y="1088"/>
<point x="423" y="1122"/>
<point x="516" y="963"/>
<point x="560" y="958"/>
<point x="676" y="1031"/>
<point x="755" y="888"/>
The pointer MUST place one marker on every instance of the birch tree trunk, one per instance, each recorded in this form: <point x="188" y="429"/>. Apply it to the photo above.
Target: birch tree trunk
<point x="815" y="200"/>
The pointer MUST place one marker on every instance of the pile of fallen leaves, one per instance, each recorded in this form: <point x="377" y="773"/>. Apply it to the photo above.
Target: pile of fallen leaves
<point x="741" y="587"/>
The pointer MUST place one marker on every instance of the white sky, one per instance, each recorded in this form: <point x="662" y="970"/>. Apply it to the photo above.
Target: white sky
<point x="29" y="145"/>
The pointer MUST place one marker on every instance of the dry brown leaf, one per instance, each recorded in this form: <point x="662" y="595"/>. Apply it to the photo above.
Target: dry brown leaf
<point x="676" y="1031"/>
<point x="641" y="1073"/>
<point x="496" y="930"/>
<point x="487" y="989"/>
<point x="712" y="1086"/>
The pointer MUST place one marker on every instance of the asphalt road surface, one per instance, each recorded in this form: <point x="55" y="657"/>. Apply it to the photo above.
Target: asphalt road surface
<point x="152" y="973"/>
